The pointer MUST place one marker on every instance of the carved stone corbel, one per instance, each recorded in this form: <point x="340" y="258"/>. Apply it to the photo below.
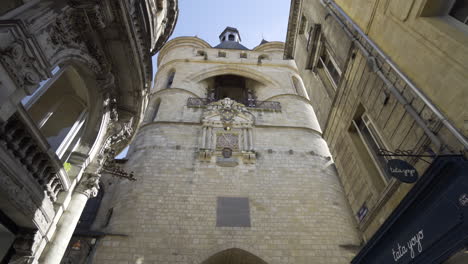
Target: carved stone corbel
<point x="119" y="134"/>
<point x="25" y="245"/>
<point x="89" y="185"/>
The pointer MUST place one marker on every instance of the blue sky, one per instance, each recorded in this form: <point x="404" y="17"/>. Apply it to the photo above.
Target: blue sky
<point x="253" y="18"/>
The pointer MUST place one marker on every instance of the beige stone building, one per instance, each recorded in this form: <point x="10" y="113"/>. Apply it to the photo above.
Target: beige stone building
<point x="388" y="80"/>
<point x="74" y="82"/>
<point x="231" y="166"/>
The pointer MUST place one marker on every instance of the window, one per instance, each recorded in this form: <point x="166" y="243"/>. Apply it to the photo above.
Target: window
<point x="303" y="25"/>
<point x="312" y="45"/>
<point x="368" y="142"/>
<point x="200" y="53"/>
<point x="233" y="212"/>
<point x="243" y="55"/>
<point x="459" y="11"/>
<point x="170" y="79"/>
<point x="326" y="62"/>
<point x="221" y="54"/>
<point x="59" y="109"/>
<point x="43" y="86"/>
<point x="231" y="37"/>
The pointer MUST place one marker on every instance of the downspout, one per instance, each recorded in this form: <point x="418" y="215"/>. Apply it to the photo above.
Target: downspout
<point x="391" y="87"/>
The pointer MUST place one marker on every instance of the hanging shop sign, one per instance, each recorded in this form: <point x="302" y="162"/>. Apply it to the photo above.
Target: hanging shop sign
<point x="402" y="170"/>
<point x="430" y="223"/>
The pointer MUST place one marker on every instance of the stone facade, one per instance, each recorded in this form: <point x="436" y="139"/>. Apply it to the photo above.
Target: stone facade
<point x="382" y="75"/>
<point x="68" y="104"/>
<point x="196" y="153"/>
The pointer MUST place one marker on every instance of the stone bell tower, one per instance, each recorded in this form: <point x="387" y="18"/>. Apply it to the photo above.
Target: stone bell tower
<point x="230" y="165"/>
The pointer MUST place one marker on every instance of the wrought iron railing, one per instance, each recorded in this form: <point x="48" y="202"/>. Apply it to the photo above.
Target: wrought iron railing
<point x="256" y="104"/>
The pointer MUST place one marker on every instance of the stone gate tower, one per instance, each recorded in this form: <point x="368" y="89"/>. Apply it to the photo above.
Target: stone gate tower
<point x="230" y="164"/>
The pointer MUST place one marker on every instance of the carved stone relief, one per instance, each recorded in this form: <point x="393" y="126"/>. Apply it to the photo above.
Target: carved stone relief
<point x="22" y="66"/>
<point x="227" y="125"/>
<point x="25" y="245"/>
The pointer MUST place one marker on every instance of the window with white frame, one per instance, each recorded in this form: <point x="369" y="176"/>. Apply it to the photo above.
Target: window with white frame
<point x="328" y="63"/>
<point x="59" y="109"/>
<point x="373" y="141"/>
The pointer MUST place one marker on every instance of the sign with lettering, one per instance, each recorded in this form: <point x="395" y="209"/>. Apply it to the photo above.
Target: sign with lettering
<point x="402" y="170"/>
<point x="428" y="223"/>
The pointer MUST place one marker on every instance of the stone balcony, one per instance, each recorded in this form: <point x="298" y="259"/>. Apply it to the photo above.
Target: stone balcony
<point x="251" y="104"/>
<point x="21" y="138"/>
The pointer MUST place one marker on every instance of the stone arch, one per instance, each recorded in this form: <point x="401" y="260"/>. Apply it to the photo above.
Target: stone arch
<point x="234" y="70"/>
<point x="170" y="78"/>
<point x="73" y="56"/>
<point x="232" y="255"/>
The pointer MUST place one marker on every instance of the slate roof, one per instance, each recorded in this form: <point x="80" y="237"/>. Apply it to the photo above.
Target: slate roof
<point x="230" y="45"/>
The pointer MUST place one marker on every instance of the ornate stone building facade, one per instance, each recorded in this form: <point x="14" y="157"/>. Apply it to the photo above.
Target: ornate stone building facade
<point x="230" y="166"/>
<point x="388" y="80"/>
<point x="74" y="82"/>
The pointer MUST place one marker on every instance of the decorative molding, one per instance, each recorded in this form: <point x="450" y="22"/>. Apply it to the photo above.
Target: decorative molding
<point x="227" y="128"/>
<point x="254" y="104"/>
<point x="292" y="29"/>
<point x="21" y="199"/>
<point x="89" y="185"/>
<point x="25" y="245"/>
<point x="22" y="66"/>
<point x="16" y="137"/>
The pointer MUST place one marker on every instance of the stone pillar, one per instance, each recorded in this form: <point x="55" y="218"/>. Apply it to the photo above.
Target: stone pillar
<point x="87" y="188"/>
<point x="245" y="137"/>
<point x="203" y="144"/>
<point x="251" y="144"/>
<point x="209" y="139"/>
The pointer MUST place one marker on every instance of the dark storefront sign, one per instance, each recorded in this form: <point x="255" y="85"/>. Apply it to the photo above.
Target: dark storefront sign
<point x="402" y="170"/>
<point x="429" y="224"/>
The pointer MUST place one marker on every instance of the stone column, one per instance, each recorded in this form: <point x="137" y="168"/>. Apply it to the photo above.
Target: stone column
<point x="251" y="145"/>
<point x="246" y="139"/>
<point x="208" y="143"/>
<point x="87" y="188"/>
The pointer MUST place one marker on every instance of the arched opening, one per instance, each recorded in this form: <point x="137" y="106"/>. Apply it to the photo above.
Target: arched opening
<point x="170" y="79"/>
<point x="234" y="256"/>
<point x="59" y="109"/>
<point x="231" y="37"/>
<point x="236" y="87"/>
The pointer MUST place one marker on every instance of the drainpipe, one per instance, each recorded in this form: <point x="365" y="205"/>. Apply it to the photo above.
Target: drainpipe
<point x="460" y="137"/>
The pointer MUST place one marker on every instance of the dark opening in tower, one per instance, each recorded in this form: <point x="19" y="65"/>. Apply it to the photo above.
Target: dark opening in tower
<point x="231" y="86"/>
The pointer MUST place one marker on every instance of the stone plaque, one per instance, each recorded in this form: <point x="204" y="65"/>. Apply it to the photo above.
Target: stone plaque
<point x="233" y="212"/>
<point x="227" y="140"/>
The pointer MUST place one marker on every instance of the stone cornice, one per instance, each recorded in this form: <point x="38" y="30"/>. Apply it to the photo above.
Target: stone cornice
<point x="171" y="16"/>
<point x="292" y="29"/>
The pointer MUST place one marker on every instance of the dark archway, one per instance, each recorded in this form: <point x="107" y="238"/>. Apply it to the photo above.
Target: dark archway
<point x="234" y="256"/>
<point x="231" y="86"/>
